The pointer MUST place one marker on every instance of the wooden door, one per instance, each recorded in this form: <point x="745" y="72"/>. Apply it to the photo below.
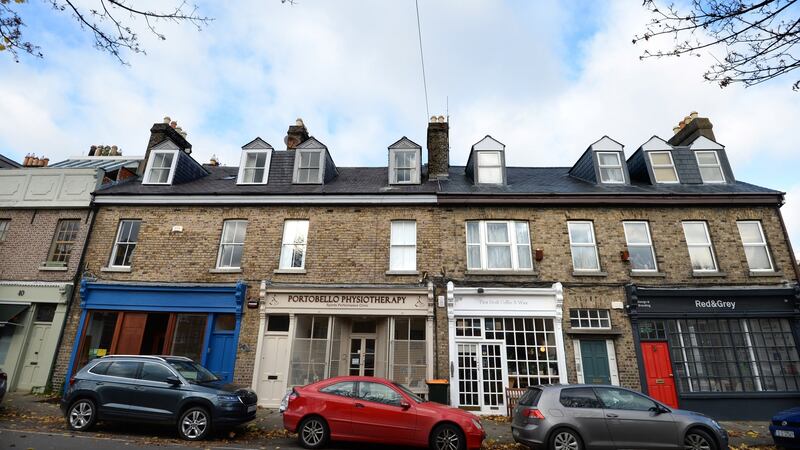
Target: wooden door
<point x="594" y="357"/>
<point x="658" y="370"/>
<point x="129" y="339"/>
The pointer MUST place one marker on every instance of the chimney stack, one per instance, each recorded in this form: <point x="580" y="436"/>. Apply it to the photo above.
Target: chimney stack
<point x="159" y="132"/>
<point x="438" y="148"/>
<point x="214" y="161"/>
<point x="690" y="128"/>
<point x="31" y="160"/>
<point x="296" y="135"/>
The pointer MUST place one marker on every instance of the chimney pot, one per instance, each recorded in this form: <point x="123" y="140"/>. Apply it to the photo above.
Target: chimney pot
<point x="167" y="119"/>
<point x="173" y="124"/>
<point x="675" y="129"/>
<point x="693" y="114"/>
<point x="45" y="161"/>
<point x="114" y="150"/>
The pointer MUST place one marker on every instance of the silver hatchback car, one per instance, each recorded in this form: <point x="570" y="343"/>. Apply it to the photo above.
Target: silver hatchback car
<point x="579" y="417"/>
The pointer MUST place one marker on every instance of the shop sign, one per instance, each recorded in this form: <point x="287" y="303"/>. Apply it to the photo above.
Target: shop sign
<point x="361" y="301"/>
<point x="675" y="302"/>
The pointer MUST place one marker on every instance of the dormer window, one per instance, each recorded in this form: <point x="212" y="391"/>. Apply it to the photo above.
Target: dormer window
<point x="161" y="167"/>
<point x="490" y="168"/>
<point x="308" y="166"/>
<point x="610" y="165"/>
<point x="254" y="167"/>
<point x="663" y="167"/>
<point x="404" y="162"/>
<point x="710" y="167"/>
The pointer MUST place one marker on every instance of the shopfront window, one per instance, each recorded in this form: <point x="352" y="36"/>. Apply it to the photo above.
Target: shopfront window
<point x="468" y="327"/>
<point x="190" y="331"/>
<point x="409" y="358"/>
<point x="99" y="335"/>
<point x="309" y="350"/>
<point x="531" y="352"/>
<point x="45" y="312"/>
<point x="734" y="355"/>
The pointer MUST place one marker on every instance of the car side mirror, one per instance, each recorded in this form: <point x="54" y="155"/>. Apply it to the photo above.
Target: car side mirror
<point x="658" y="409"/>
<point x="174" y="381"/>
<point x="405" y="405"/>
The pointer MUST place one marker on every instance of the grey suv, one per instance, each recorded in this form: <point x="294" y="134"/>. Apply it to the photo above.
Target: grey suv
<point x="578" y="417"/>
<point x="167" y="389"/>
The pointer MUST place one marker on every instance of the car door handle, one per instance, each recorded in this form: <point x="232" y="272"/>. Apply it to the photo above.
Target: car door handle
<point x="359" y="405"/>
<point x="613" y="416"/>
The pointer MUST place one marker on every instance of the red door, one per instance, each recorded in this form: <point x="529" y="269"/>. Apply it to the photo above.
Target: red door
<point x="658" y="370"/>
<point x="131" y="333"/>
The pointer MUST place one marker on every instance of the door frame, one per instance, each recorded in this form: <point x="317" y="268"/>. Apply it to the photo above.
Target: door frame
<point x="610" y="355"/>
<point x="362" y="337"/>
<point x="482" y="408"/>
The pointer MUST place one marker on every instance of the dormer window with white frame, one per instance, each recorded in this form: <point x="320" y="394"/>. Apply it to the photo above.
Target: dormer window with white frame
<point x="663" y="167"/>
<point x="308" y="166"/>
<point x="161" y="167"/>
<point x="709" y="165"/>
<point x="487" y="162"/>
<point x="404" y="162"/>
<point x="610" y="165"/>
<point x="254" y="165"/>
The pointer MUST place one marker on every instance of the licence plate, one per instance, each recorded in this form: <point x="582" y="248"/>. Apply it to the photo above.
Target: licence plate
<point x="252" y="408"/>
<point x="784" y="433"/>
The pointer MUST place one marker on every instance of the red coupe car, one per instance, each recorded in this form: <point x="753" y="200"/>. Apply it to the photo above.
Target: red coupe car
<point x="368" y="409"/>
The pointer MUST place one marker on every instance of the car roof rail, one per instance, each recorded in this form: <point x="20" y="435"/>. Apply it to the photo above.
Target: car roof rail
<point x="157" y="358"/>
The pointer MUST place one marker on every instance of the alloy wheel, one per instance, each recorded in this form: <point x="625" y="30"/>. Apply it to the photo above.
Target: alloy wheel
<point x="313" y="432"/>
<point x="194" y="424"/>
<point x="80" y="415"/>
<point x="447" y="439"/>
<point x="696" y="442"/>
<point x="565" y="441"/>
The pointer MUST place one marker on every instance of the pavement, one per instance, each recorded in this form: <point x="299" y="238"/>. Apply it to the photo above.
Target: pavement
<point x="35" y="422"/>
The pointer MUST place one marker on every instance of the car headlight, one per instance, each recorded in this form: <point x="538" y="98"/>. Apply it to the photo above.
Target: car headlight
<point x="228" y="398"/>
<point x="477" y="424"/>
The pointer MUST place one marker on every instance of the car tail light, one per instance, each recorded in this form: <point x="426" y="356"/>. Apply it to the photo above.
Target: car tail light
<point x="533" y="413"/>
<point x="71" y="381"/>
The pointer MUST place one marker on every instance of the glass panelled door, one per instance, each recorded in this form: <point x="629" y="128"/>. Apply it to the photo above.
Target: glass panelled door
<point x="492" y="377"/>
<point x="362" y="356"/>
<point x="481" y="369"/>
<point x="468" y="393"/>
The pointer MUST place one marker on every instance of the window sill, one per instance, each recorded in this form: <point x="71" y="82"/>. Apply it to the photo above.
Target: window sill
<point x="53" y="268"/>
<point x="401" y="272"/>
<point x="640" y="273"/>
<point x="709" y="274"/>
<point x="594" y="331"/>
<point x="116" y="269"/>
<point x="226" y="270"/>
<point x="290" y="271"/>
<point x="502" y="272"/>
<point x="766" y="273"/>
<point x="589" y="273"/>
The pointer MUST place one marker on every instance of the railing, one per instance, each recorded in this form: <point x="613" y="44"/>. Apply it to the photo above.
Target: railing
<point x="512" y="398"/>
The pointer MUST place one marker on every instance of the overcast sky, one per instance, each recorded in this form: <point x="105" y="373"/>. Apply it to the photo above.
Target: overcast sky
<point x="545" y="79"/>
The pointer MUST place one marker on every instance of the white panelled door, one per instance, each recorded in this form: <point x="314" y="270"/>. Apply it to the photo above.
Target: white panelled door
<point x="274" y="368"/>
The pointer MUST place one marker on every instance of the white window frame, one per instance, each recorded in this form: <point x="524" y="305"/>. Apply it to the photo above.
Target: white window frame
<point x="299" y="161"/>
<point x="671" y="165"/>
<point x="415" y="168"/>
<point x="392" y="245"/>
<point x="149" y="168"/>
<point x="284" y="245"/>
<point x="709" y="245"/>
<point x="5" y="225"/>
<point x="618" y="166"/>
<point x="243" y="162"/>
<point x="235" y="223"/>
<point x="592" y="244"/>
<point x="511" y="227"/>
<point x="718" y="165"/>
<point x="600" y="315"/>
<point x="648" y="244"/>
<point x="762" y="244"/>
<point x="117" y="242"/>
<point x="499" y="165"/>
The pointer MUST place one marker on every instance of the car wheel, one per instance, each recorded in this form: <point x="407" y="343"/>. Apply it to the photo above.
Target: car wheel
<point x="447" y="437"/>
<point x="194" y="424"/>
<point x="313" y="433"/>
<point x="81" y="415"/>
<point x="565" y="440"/>
<point x="698" y="440"/>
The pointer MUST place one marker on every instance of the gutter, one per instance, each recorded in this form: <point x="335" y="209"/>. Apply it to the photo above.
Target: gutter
<point x="605" y="199"/>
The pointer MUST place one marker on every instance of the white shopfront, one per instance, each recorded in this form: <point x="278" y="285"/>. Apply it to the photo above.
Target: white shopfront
<point x="503" y="338"/>
<point x="311" y="333"/>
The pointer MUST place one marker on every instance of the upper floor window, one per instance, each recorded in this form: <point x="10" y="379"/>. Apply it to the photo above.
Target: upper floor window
<point x="610" y="165"/>
<point x="125" y="243"/>
<point x="710" y="167"/>
<point x="405" y="167"/>
<point x="589" y="318"/>
<point x="663" y="167"/>
<point x="583" y="245"/>
<point x="701" y="252"/>
<point x="498" y="245"/>
<point x="254" y="167"/>
<point x="161" y="167"/>
<point x="63" y="241"/>
<point x="403" y="251"/>
<point x="4" y="225"/>
<point x="293" y="248"/>
<point x="308" y="166"/>
<point x="640" y="246"/>
<point x="490" y="167"/>
<point x="755" y="245"/>
<point x="231" y="244"/>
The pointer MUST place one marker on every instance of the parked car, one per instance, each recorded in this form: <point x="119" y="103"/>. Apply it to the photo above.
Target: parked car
<point x="578" y="417"/>
<point x="167" y="389"/>
<point x="785" y="428"/>
<point x="375" y="410"/>
<point x="3" y="384"/>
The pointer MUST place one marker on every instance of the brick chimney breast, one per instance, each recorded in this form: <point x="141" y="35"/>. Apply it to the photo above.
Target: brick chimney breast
<point x="296" y="135"/>
<point x="690" y="128"/>
<point x="438" y="148"/>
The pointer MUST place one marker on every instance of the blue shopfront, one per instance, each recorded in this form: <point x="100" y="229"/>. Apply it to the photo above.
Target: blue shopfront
<point x="199" y="321"/>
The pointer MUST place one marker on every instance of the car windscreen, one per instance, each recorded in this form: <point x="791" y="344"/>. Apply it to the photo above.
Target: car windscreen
<point x="408" y="392"/>
<point x="193" y="372"/>
<point x="531" y="397"/>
